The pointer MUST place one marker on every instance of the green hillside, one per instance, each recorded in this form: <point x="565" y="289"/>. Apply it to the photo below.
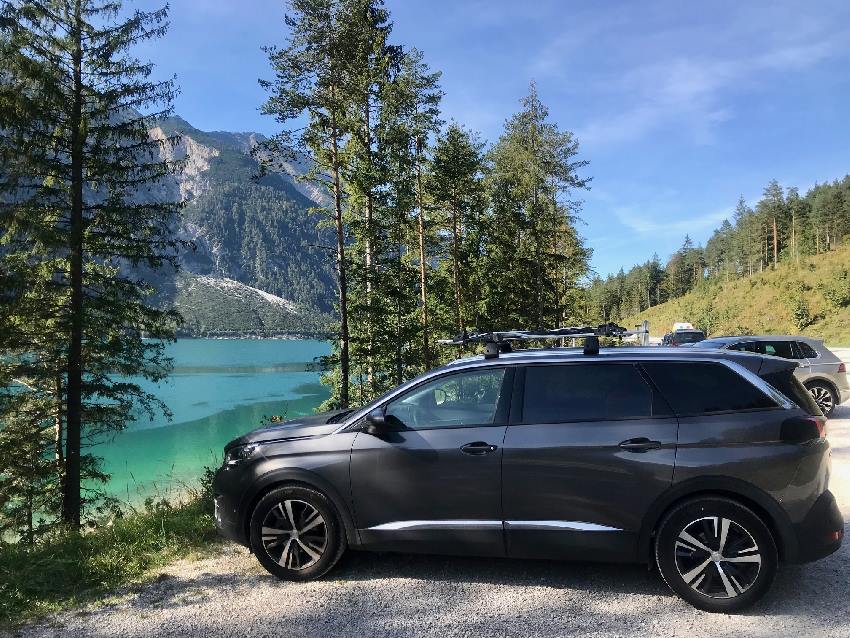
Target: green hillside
<point x="812" y="298"/>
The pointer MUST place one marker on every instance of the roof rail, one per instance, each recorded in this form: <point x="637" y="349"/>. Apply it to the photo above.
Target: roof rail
<point x="497" y="342"/>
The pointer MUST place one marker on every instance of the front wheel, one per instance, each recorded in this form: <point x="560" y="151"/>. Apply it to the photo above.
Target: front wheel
<point x="296" y="533"/>
<point x="716" y="554"/>
<point x="823" y="395"/>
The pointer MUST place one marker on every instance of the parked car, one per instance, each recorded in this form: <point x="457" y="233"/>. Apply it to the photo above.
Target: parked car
<point x="711" y="464"/>
<point x="682" y="337"/>
<point x="821" y="371"/>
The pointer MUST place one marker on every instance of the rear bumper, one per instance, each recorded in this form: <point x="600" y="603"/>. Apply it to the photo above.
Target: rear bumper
<point x="821" y="532"/>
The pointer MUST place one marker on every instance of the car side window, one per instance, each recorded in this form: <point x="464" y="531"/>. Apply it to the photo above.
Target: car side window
<point x="453" y="400"/>
<point x="778" y="349"/>
<point x="588" y="392"/>
<point x="693" y="388"/>
<point x="745" y="346"/>
<point x="806" y="350"/>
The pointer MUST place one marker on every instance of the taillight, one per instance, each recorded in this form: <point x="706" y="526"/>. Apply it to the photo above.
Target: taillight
<point x="800" y="429"/>
<point x="842" y="367"/>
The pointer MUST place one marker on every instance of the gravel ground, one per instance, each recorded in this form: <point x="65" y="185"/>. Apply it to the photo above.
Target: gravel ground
<point x="366" y="595"/>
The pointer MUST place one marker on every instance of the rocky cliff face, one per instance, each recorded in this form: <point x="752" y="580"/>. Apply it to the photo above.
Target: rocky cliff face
<point x="258" y="233"/>
<point x="195" y="156"/>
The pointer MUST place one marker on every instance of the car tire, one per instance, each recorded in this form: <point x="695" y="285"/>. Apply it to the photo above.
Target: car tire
<point x="686" y="551"/>
<point x="296" y="533"/>
<point x="824" y="395"/>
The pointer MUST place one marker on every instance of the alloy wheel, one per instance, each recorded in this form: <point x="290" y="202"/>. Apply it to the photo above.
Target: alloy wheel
<point x="823" y="397"/>
<point x="717" y="557"/>
<point x="294" y="534"/>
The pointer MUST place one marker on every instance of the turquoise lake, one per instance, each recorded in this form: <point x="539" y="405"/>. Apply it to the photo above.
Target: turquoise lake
<point x="219" y="389"/>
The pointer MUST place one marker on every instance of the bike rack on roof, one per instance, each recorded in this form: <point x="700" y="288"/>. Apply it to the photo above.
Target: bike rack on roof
<point x="496" y="342"/>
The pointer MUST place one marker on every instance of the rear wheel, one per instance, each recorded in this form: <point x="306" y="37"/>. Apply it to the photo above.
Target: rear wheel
<point x="823" y="395"/>
<point x="716" y="554"/>
<point x="296" y="533"/>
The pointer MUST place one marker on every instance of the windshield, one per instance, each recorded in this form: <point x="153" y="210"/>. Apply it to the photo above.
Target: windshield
<point x="688" y="337"/>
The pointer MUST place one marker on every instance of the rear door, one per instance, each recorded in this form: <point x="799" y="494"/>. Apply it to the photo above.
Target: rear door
<point x="590" y="447"/>
<point x="725" y="421"/>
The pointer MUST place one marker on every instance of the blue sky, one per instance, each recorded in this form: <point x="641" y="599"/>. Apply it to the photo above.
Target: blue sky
<point x="680" y="107"/>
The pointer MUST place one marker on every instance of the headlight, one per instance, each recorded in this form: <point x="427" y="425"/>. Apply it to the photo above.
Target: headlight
<point x="236" y="455"/>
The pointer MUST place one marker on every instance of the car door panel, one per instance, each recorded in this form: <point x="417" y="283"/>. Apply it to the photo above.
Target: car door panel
<point x="433" y="483"/>
<point x="571" y="491"/>
<point x="593" y="493"/>
<point x="417" y="491"/>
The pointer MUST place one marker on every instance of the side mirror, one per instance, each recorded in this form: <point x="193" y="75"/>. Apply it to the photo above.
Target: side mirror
<point x="376" y="422"/>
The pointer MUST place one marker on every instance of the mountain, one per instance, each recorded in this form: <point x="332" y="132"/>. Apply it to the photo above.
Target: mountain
<point x="810" y="297"/>
<point x="259" y="233"/>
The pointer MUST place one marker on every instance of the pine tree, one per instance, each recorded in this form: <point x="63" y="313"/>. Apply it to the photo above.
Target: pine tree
<point x="316" y="79"/>
<point x="457" y="187"/>
<point x="80" y="205"/>
<point x="533" y="252"/>
<point x="417" y="95"/>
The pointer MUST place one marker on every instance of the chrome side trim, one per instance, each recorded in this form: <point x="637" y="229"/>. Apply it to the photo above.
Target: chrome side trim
<point x="575" y="526"/>
<point x="441" y="524"/>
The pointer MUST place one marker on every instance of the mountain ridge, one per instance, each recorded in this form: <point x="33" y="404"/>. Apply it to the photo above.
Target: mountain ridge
<point x="258" y="232"/>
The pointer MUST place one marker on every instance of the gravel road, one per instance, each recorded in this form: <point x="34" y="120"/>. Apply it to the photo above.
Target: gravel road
<point x="366" y="595"/>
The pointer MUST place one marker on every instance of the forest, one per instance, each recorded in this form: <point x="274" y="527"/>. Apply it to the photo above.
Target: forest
<point x="782" y="227"/>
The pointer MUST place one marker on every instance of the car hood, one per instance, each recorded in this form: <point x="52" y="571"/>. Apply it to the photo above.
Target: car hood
<point x="300" y="428"/>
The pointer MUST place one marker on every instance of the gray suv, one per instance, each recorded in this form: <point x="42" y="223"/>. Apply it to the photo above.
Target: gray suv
<point x="711" y="464"/>
<point x="823" y="373"/>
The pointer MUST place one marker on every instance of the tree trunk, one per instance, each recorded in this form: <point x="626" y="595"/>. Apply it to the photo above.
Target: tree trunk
<point x="399" y="369"/>
<point x="459" y="319"/>
<point x="342" y="283"/>
<point x="71" y="505"/>
<point x="775" y="245"/>
<point x="58" y="434"/>
<point x="423" y="282"/>
<point x="370" y="250"/>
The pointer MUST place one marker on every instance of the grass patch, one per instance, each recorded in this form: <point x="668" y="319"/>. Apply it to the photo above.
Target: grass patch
<point x="67" y="569"/>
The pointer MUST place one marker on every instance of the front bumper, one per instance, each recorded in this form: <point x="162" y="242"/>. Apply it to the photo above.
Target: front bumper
<point x="226" y="513"/>
<point x="821" y="532"/>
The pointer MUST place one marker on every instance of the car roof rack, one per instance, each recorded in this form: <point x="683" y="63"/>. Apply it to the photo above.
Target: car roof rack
<point x="497" y="342"/>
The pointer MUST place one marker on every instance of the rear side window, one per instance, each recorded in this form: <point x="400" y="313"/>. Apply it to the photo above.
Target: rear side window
<point x="806" y="350"/>
<point x="745" y="346"/>
<point x="694" y="388"/>
<point x="782" y="349"/>
<point x="588" y="392"/>
<point x="790" y="386"/>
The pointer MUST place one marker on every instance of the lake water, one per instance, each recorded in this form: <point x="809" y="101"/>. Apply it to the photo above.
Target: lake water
<point x="219" y="389"/>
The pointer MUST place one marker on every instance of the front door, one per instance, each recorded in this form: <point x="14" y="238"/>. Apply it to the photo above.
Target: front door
<point x="432" y="480"/>
<point x="591" y="447"/>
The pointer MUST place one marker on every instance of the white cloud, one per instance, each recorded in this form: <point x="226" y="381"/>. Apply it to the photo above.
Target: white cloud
<point x="659" y="76"/>
<point x="641" y="223"/>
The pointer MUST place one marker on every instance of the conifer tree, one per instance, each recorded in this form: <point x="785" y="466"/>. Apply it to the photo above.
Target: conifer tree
<point x="316" y="78"/>
<point x="457" y="187"/>
<point x="531" y="242"/>
<point x="81" y="202"/>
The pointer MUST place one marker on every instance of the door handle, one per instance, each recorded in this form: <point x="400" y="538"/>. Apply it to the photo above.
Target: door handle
<point x="640" y="444"/>
<point x="478" y="448"/>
